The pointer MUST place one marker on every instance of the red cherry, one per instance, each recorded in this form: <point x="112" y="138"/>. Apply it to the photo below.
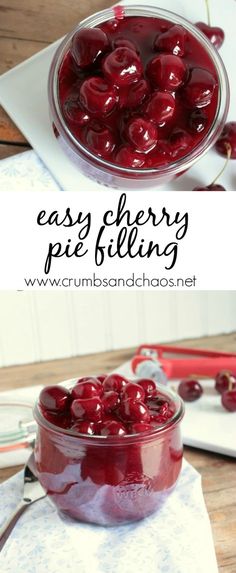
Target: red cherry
<point x="122" y="67"/>
<point x="179" y="141"/>
<point x="140" y="427"/>
<point x="87" y="409"/>
<point x="124" y="43"/>
<point x="190" y="390"/>
<point x="113" y="428"/>
<point x="74" y="113"/>
<point x="84" y="428"/>
<point x="215" y="187"/>
<point x="114" y="382"/>
<point x="95" y="380"/>
<point x="172" y="41"/>
<point x="87" y="45"/>
<point x="141" y="133"/>
<point x="101" y="377"/>
<point x="86" y="389"/>
<point x="157" y="419"/>
<point x="197" y="121"/>
<point x="127" y="157"/>
<point x="55" y="399"/>
<point x="133" y="411"/>
<point x="227" y="140"/>
<point x="167" y="72"/>
<point x="97" y="96"/>
<point x="148" y="386"/>
<point x="134" y="391"/>
<point x="200" y="87"/>
<point x="110" y="401"/>
<point x="214" y="34"/>
<point x="161" y="107"/>
<point x="228" y="400"/>
<point x="224" y="379"/>
<point x="134" y="95"/>
<point x="100" y="140"/>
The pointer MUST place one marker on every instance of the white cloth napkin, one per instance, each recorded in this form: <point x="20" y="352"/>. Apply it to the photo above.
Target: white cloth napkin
<point x="26" y="171"/>
<point x="177" y="539"/>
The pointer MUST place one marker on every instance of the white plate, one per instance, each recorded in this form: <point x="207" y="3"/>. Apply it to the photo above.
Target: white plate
<point x="23" y="93"/>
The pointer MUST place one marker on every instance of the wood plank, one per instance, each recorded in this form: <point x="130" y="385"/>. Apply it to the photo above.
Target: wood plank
<point x="14" y="51"/>
<point x="46" y="20"/>
<point x="8" y="131"/>
<point x="9" y="150"/>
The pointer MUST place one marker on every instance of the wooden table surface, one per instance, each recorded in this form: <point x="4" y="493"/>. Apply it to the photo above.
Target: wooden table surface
<point x="218" y="472"/>
<point x="26" y="27"/>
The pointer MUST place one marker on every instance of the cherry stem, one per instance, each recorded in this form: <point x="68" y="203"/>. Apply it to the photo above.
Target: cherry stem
<point x="208" y="12"/>
<point x="229" y="152"/>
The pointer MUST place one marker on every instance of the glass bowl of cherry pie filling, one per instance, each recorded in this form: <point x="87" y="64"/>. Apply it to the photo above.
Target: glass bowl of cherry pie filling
<point x="137" y="95"/>
<point x="108" y="450"/>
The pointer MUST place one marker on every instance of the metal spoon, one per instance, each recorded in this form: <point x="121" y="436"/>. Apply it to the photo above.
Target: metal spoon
<point x="31" y="493"/>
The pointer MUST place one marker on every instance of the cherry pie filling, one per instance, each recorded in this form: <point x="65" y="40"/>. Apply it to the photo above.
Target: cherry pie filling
<point x="138" y="92"/>
<point x="99" y="454"/>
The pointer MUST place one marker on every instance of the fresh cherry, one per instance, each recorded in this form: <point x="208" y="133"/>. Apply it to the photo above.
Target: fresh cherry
<point x="134" y="391"/>
<point x="114" y="382"/>
<point x="148" y="386"/>
<point x="127" y="157"/>
<point x="97" y="96"/>
<point x="161" y="107"/>
<point x="228" y="400"/>
<point x="135" y="95"/>
<point x="172" y="41"/>
<point x="112" y="428"/>
<point x="197" y="121"/>
<point x="122" y="67"/>
<point x="87" y="45"/>
<point x="167" y="72"/>
<point x="211" y="187"/>
<point x="84" y="428"/>
<point x="110" y="401"/>
<point x="89" y="409"/>
<point x="133" y="411"/>
<point x="223" y="380"/>
<point x="55" y="399"/>
<point x="100" y="140"/>
<point x="190" y="390"/>
<point x="199" y="88"/>
<point x="75" y="113"/>
<point x="226" y="144"/>
<point x="214" y="34"/>
<point x="86" y="389"/>
<point x="142" y="134"/>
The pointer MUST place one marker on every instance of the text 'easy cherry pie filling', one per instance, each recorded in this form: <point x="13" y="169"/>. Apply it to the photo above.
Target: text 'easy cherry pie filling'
<point x="137" y="92"/>
<point x="108" y="450"/>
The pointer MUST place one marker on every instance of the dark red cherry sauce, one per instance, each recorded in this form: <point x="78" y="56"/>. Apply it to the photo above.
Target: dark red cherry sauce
<point x="139" y="92"/>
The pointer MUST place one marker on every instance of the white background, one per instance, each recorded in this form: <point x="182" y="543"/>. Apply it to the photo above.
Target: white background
<point x="207" y="250"/>
<point x="38" y="326"/>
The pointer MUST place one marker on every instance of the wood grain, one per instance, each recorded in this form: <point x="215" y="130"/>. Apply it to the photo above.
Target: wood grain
<point x="27" y="27"/>
<point x="218" y="472"/>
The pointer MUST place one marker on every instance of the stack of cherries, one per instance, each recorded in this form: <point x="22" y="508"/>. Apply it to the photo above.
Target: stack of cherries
<point x="107" y="406"/>
<point x="225" y="384"/>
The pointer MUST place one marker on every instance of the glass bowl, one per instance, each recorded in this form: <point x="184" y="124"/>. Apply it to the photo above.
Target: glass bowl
<point x="108" y="173"/>
<point x="109" y="480"/>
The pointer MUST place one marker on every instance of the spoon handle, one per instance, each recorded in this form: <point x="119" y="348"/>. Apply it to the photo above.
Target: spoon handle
<point x="10" y="523"/>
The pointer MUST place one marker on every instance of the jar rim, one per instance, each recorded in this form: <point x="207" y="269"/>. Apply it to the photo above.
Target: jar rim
<point x="121" y="440"/>
<point x="181" y="164"/>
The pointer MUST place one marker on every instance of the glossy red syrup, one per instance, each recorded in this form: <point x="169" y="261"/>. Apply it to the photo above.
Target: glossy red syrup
<point x="102" y="458"/>
<point x="133" y="71"/>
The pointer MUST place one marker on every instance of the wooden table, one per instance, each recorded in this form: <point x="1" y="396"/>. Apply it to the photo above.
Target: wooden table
<point x="218" y="472"/>
<point x="26" y="27"/>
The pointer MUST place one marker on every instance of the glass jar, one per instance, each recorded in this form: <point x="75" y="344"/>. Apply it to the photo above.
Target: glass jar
<point x="109" y="480"/>
<point x="114" y="175"/>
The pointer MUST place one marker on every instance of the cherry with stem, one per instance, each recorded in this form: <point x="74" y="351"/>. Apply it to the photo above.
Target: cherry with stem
<point x="214" y="186"/>
<point x="214" y="33"/>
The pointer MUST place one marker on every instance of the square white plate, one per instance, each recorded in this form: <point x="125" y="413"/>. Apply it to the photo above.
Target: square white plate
<point x="23" y="94"/>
